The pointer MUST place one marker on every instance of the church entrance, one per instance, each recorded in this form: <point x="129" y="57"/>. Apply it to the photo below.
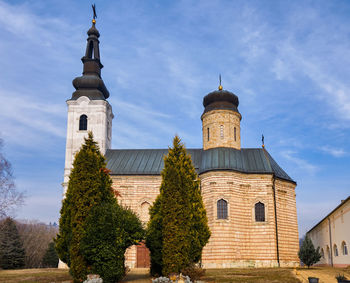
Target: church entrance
<point x="142" y="255"/>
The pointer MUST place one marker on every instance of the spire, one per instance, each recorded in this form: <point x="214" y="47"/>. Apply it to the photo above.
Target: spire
<point x="91" y="60"/>
<point x="90" y="84"/>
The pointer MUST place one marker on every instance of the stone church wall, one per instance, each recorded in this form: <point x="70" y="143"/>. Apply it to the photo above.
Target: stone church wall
<point x="238" y="241"/>
<point x="287" y="223"/>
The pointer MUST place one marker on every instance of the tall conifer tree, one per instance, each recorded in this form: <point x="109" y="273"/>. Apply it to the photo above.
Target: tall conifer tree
<point x="11" y="247"/>
<point x="89" y="185"/>
<point x="179" y="212"/>
<point x="94" y="230"/>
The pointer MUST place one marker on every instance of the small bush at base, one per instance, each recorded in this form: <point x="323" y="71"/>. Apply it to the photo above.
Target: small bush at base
<point x="194" y="272"/>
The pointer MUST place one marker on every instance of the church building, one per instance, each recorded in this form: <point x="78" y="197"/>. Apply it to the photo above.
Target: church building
<point x="249" y="198"/>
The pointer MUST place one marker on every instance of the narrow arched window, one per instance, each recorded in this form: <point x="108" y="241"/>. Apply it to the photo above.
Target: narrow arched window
<point x="235" y="133"/>
<point x="222" y="209"/>
<point x="221" y="131"/>
<point x="145" y="211"/>
<point x="344" y="248"/>
<point x="322" y="253"/>
<point x="208" y="133"/>
<point x="259" y="212"/>
<point x="83" y="123"/>
<point x="328" y="253"/>
<point x="335" y="250"/>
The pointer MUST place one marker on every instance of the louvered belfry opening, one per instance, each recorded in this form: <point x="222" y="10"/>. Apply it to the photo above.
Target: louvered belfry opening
<point x="259" y="212"/>
<point x="222" y="209"/>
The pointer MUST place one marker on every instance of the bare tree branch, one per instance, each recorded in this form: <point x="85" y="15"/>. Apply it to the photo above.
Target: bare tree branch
<point x="10" y="197"/>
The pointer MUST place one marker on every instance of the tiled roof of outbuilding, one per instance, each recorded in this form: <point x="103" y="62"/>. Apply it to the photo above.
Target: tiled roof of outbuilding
<point x="150" y="161"/>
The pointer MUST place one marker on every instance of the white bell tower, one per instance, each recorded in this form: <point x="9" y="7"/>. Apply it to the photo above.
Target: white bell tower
<point x="88" y="108"/>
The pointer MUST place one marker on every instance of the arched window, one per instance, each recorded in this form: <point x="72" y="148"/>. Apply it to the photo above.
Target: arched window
<point x="234" y="133"/>
<point x="145" y="211"/>
<point x="259" y="212"/>
<point x="344" y="248"/>
<point x="208" y="133"/>
<point x="83" y="123"/>
<point x="322" y="253"/>
<point x="221" y="131"/>
<point x="335" y="250"/>
<point x="222" y="209"/>
<point x="328" y="253"/>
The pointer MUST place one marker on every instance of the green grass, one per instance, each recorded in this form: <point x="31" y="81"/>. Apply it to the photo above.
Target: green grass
<point x="251" y="275"/>
<point x="35" y="275"/>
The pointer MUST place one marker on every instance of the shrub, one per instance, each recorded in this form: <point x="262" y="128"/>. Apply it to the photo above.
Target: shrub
<point x="307" y="253"/>
<point x="194" y="272"/>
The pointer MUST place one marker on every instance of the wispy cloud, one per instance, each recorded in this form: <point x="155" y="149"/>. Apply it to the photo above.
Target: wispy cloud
<point x="28" y="117"/>
<point x="301" y="163"/>
<point x="336" y="152"/>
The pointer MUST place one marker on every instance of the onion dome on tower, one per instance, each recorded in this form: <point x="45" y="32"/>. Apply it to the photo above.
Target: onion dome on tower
<point x="221" y="120"/>
<point x="220" y="99"/>
<point x="90" y="84"/>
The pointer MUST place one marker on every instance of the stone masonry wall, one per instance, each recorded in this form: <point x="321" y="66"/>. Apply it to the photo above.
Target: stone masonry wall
<point x="221" y="125"/>
<point x="238" y="241"/>
<point x="288" y="235"/>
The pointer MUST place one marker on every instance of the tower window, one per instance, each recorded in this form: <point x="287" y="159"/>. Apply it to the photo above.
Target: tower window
<point x="222" y="209"/>
<point x="259" y="212"/>
<point x="222" y="131"/>
<point x="234" y="133"/>
<point x="83" y="123"/>
<point x="208" y="134"/>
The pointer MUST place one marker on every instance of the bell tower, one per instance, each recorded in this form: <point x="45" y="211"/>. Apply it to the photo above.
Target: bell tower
<point x="88" y="108"/>
<point x="221" y="120"/>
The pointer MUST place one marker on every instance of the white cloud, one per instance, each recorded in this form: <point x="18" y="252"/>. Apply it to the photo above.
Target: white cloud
<point x="301" y="164"/>
<point x="336" y="152"/>
<point x="27" y="118"/>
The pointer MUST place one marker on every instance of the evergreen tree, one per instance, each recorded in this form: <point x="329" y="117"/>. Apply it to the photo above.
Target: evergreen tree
<point x="179" y="214"/>
<point x="105" y="256"/>
<point x="308" y="254"/>
<point x="50" y="258"/>
<point x="89" y="185"/>
<point x="11" y="248"/>
<point x="154" y="237"/>
<point x="94" y="231"/>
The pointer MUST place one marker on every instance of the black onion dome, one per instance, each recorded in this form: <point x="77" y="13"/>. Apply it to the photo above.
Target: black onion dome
<point x="220" y="99"/>
<point x="93" y="31"/>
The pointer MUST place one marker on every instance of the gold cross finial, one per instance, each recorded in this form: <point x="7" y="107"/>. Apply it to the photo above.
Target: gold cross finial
<point x="220" y="86"/>
<point x="94" y="11"/>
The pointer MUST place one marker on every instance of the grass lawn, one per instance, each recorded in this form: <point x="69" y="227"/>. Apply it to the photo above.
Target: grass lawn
<point x="35" y="275"/>
<point x="251" y="275"/>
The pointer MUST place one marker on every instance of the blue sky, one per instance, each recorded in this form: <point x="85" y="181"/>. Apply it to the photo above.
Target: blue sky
<point x="287" y="61"/>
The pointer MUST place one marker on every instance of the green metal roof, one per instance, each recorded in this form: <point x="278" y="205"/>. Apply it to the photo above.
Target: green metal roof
<point x="150" y="161"/>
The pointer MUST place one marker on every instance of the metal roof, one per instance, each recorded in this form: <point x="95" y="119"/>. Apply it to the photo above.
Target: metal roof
<point x="150" y="161"/>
